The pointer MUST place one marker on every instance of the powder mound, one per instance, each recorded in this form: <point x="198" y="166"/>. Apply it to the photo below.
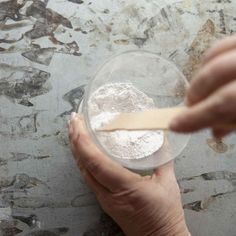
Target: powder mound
<point x="110" y="100"/>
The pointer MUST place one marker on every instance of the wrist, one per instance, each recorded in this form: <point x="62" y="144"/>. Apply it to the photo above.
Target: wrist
<point x="179" y="228"/>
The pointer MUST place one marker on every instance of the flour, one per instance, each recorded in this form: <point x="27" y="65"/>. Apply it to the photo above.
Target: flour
<point x="110" y="100"/>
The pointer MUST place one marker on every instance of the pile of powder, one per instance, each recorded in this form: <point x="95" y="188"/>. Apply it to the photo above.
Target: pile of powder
<point x="108" y="101"/>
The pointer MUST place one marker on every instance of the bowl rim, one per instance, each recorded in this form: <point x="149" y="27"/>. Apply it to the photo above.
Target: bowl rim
<point x="83" y="106"/>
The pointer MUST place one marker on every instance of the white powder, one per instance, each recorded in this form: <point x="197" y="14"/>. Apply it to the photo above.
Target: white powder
<point x="108" y="101"/>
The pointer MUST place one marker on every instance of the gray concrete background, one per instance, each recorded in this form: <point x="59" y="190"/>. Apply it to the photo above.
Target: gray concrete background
<point x="48" y="51"/>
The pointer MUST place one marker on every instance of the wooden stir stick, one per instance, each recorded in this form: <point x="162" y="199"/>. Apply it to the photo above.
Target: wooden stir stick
<point x="155" y="119"/>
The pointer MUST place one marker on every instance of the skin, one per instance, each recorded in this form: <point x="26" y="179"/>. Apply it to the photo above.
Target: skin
<point x="141" y="206"/>
<point x="211" y="98"/>
<point x="151" y="205"/>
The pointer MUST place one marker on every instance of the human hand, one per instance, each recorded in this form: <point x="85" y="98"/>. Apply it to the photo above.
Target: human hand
<point x="149" y="205"/>
<point x="212" y="94"/>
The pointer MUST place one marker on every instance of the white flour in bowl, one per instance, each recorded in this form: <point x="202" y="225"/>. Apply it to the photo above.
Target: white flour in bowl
<point x="112" y="99"/>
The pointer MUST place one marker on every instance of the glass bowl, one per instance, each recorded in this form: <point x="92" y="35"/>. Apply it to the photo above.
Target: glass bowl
<point x="154" y="76"/>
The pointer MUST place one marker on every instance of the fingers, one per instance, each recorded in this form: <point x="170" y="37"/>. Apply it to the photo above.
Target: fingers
<point x="218" y="72"/>
<point x="97" y="188"/>
<point x="106" y="172"/>
<point x="223" y="46"/>
<point x="216" y="110"/>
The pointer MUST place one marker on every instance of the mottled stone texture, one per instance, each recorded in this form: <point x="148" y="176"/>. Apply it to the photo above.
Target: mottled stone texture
<point x="49" y="51"/>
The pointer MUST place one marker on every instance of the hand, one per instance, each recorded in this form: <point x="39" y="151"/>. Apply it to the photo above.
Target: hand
<point x="149" y="205"/>
<point x="212" y="94"/>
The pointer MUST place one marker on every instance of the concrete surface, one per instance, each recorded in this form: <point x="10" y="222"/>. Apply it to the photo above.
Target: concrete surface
<point x="48" y="52"/>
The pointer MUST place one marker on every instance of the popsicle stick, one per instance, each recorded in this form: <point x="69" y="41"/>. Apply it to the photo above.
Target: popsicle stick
<point x="156" y="119"/>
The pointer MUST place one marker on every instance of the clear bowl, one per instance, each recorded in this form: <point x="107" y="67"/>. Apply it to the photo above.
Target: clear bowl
<point x="160" y="80"/>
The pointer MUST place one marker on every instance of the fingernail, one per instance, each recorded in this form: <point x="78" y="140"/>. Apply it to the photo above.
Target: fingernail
<point x="73" y="115"/>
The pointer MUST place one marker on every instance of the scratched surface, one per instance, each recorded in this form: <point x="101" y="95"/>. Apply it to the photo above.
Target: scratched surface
<point x="48" y="52"/>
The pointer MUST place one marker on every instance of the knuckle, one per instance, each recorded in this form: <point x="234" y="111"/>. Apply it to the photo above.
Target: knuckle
<point x="92" y="166"/>
<point x="207" y="77"/>
<point x="71" y="136"/>
<point x="192" y="96"/>
<point x="218" y="107"/>
<point x="74" y="141"/>
<point x="206" y="73"/>
<point x="214" y="68"/>
<point x="201" y="82"/>
<point x="84" y="138"/>
<point x="223" y="103"/>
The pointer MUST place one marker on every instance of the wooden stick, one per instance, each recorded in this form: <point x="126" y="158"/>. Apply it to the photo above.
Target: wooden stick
<point x="156" y="119"/>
